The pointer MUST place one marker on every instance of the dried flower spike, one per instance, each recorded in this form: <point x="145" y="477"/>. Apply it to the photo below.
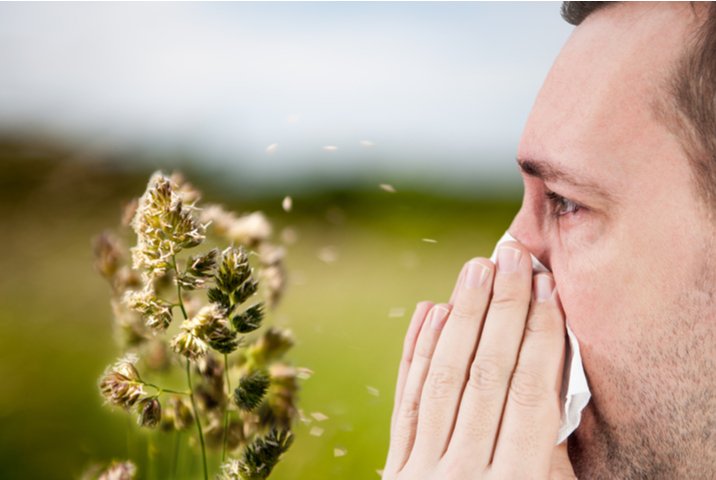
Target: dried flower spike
<point x="157" y="313"/>
<point x="177" y="415"/>
<point x="164" y="227"/>
<point x="270" y="346"/>
<point x="251" y="390"/>
<point x="234" y="278"/>
<point x="107" y="255"/>
<point x="250" y="319"/>
<point x="259" y="458"/>
<point x="150" y="412"/>
<point x="209" y="328"/>
<point x="119" y="471"/>
<point x="199" y="269"/>
<point x="154" y="279"/>
<point x="121" y="384"/>
<point x="188" y="343"/>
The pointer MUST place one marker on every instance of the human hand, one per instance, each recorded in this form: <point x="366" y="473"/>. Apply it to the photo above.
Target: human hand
<point x="478" y="392"/>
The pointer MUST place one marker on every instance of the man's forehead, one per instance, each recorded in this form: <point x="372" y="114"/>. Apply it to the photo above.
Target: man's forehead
<point x="593" y="125"/>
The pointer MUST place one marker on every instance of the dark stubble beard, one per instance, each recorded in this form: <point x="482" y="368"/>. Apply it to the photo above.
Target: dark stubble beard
<point x="668" y="388"/>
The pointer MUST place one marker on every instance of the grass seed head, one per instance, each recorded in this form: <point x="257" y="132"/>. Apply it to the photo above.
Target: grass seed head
<point x="117" y="470"/>
<point x="251" y="390"/>
<point x="121" y="384"/>
<point x="150" y="412"/>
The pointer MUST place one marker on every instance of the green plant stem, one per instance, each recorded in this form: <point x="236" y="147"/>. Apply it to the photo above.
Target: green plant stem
<point x="226" y="407"/>
<point x="165" y="390"/>
<point x="175" y="458"/>
<point x="188" y="378"/>
<point x="179" y="299"/>
<point x="152" y="474"/>
<point x="196" y="417"/>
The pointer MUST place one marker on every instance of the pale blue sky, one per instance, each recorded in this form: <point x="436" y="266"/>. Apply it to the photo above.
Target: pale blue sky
<point x="442" y="90"/>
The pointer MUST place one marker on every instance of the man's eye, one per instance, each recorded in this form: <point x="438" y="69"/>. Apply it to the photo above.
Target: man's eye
<point x="560" y="206"/>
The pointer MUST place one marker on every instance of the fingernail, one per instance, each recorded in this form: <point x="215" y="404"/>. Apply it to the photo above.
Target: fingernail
<point x="476" y="274"/>
<point x="460" y="278"/>
<point x="508" y="259"/>
<point x="545" y="287"/>
<point x="438" y="315"/>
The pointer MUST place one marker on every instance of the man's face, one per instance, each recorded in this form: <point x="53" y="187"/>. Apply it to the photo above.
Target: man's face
<point x="632" y="264"/>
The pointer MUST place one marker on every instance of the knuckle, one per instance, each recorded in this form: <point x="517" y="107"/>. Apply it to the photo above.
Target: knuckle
<point x="423" y="353"/>
<point x="544" y="319"/>
<point x="529" y="389"/>
<point x="451" y="467"/>
<point x="488" y="373"/>
<point x="442" y="381"/>
<point x="409" y="408"/>
<point x="507" y="299"/>
<point x="465" y="312"/>
<point x="405" y="363"/>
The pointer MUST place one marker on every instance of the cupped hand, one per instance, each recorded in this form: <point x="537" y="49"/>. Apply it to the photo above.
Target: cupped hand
<point x="478" y="387"/>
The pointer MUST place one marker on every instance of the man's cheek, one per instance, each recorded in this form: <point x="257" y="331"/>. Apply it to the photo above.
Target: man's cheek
<point x="591" y="307"/>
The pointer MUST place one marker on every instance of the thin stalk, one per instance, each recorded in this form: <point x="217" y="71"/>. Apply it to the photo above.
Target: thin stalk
<point x="179" y="299"/>
<point x="165" y="390"/>
<point x="188" y="379"/>
<point x="150" y="455"/>
<point x="226" y="408"/>
<point x="196" y="417"/>
<point x="175" y="458"/>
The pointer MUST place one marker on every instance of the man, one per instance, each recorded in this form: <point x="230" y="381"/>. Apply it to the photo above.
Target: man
<point x="618" y="158"/>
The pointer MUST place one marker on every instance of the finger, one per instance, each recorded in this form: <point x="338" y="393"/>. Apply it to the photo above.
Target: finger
<point x="531" y="419"/>
<point x="448" y="370"/>
<point x="483" y="399"/>
<point x="419" y="314"/>
<point x="457" y="286"/>
<point x="403" y="435"/>
<point x="560" y="465"/>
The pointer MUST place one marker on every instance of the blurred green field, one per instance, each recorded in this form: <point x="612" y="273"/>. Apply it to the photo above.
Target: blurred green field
<point x="55" y="335"/>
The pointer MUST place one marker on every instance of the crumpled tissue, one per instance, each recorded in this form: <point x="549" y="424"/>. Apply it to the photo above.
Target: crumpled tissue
<point x="575" y="390"/>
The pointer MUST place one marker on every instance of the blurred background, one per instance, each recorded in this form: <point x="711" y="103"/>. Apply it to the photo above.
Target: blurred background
<point x="386" y="123"/>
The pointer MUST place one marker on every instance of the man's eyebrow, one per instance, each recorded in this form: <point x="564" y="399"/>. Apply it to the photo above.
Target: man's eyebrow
<point x="551" y="173"/>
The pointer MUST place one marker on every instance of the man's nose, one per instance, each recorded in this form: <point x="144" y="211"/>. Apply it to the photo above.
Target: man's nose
<point x="527" y="230"/>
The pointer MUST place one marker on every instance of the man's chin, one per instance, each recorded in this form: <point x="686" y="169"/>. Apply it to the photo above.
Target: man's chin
<point x="587" y="424"/>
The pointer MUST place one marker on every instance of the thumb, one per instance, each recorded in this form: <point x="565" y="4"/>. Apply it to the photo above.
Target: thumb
<point x="561" y="468"/>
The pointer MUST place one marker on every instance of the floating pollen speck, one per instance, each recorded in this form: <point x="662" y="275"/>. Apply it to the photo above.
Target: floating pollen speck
<point x="316" y="431"/>
<point x="328" y="254"/>
<point x="429" y="240"/>
<point x="304" y="373"/>
<point x="272" y="148"/>
<point x="367" y="143"/>
<point x="289" y="235"/>
<point x="287" y="204"/>
<point x="302" y="416"/>
<point x="387" y="187"/>
<point x="330" y="148"/>
<point x="319" y="417"/>
<point x="339" y="452"/>
<point x="396" y="312"/>
<point x="373" y="391"/>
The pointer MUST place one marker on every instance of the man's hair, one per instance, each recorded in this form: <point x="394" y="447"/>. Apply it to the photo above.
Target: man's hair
<point x="690" y="106"/>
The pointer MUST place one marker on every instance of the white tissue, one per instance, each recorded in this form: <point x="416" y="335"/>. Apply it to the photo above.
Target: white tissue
<point x="575" y="391"/>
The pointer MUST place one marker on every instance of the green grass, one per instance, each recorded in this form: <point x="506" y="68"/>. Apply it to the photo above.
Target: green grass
<point x="55" y="335"/>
